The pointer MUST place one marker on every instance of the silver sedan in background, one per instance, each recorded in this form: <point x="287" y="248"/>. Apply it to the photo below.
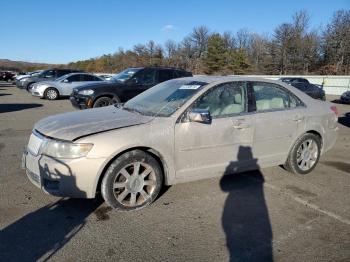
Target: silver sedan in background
<point x="177" y="131"/>
<point x="62" y="86"/>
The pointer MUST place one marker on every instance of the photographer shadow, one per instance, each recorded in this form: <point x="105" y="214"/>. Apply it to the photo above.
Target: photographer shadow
<point x="245" y="218"/>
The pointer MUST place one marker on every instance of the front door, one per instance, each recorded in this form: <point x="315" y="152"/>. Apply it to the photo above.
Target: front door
<point x="140" y="82"/>
<point x="207" y="150"/>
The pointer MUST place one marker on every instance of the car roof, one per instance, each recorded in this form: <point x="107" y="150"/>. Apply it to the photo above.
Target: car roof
<point x="158" y="67"/>
<point x="79" y="73"/>
<point x="213" y="79"/>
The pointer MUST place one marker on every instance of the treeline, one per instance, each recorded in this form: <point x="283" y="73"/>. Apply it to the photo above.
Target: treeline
<point x="292" y="48"/>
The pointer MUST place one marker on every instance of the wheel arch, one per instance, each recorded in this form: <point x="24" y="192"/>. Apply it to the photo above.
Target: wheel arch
<point x="157" y="156"/>
<point x="52" y="87"/>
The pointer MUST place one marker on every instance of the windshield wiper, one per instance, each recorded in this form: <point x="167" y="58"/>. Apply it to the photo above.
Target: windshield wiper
<point x="133" y="110"/>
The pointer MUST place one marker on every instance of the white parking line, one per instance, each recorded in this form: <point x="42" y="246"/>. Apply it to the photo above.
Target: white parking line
<point x="310" y="205"/>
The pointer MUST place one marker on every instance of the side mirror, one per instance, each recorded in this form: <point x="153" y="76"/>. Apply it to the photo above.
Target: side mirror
<point x="199" y="115"/>
<point x="134" y="81"/>
<point x="65" y="81"/>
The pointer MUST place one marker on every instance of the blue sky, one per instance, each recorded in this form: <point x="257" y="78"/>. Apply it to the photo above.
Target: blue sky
<point x="64" y="31"/>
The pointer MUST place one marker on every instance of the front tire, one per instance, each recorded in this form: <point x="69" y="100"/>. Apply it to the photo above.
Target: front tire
<point x="51" y="93"/>
<point x="132" y="181"/>
<point x="103" y="101"/>
<point x="304" y="155"/>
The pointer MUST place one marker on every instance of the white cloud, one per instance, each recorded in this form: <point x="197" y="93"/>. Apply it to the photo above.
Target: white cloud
<point x="168" y="28"/>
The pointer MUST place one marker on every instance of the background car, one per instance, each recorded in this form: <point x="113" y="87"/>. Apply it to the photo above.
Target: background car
<point x="49" y="74"/>
<point x="123" y="86"/>
<point x="28" y="74"/>
<point x="7" y="76"/>
<point x="315" y="91"/>
<point x="345" y="97"/>
<point x="62" y="86"/>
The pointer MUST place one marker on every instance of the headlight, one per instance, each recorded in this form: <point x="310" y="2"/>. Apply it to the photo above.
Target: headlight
<point x="86" y="92"/>
<point x="65" y="149"/>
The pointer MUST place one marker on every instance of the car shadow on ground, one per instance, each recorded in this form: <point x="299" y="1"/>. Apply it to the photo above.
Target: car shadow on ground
<point x="40" y="234"/>
<point x="6" y="108"/>
<point x="245" y="218"/>
<point x="4" y="94"/>
<point x="345" y="120"/>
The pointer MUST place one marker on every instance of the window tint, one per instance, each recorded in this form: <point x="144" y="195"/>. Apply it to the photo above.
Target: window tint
<point x="224" y="100"/>
<point x="49" y="74"/>
<point x="74" y="78"/>
<point x="164" y="75"/>
<point x="146" y="77"/>
<point x="300" y="80"/>
<point x="88" y="78"/>
<point x="272" y="97"/>
<point x="62" y="72"/>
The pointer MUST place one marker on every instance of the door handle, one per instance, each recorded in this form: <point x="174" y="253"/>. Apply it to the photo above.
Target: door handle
<point x="240" y="124"/>
<point x="297" y="118"/>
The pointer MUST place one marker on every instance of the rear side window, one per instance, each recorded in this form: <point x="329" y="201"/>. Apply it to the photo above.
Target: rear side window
<point x="74" y="78"/>
<point x="164" y="75"/>
<point x="62" y="72"/>
<point x="269" y="97"/>
<point x="89" y="78"/>
<point x="180" y="73"/>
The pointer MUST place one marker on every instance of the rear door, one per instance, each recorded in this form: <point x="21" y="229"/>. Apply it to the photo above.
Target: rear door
<point x="279" y="117"/>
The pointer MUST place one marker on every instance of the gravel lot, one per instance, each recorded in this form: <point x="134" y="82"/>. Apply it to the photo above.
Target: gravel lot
<point x="262" y="215"/>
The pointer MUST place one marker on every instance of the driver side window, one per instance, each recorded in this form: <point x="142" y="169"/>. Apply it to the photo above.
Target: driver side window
<point x="224" y="100"/>
<point x="49" y="74"/>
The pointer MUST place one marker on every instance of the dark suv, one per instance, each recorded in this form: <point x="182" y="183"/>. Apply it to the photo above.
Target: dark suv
<point x="7" y="76"/>
<point x="315" y="91"/>
<point x="123" y="86"/>
<point x="49" y="74"/>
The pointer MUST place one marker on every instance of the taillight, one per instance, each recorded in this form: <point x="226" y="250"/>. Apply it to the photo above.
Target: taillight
<point x="335" y="110"/>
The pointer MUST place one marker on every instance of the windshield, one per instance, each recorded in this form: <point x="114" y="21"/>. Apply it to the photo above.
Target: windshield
<point x="125" y="75"/>
<point x="36" y="73"/>
<point x="165" y="98"/>
<point x="61" y="78"/>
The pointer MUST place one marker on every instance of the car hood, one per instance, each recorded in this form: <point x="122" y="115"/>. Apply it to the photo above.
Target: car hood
<point x="97" y="84"/>
<point x="71" y="126"/>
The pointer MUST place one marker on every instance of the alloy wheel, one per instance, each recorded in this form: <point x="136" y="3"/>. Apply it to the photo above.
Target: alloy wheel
<point x="134" y="184"/>
<point x="307" y="154"/>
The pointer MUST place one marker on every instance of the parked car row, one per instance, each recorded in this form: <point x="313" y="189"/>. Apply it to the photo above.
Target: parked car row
<point x="88" y="90"/>
<point x="28" y="81"/>
<point x="123" y="86"/>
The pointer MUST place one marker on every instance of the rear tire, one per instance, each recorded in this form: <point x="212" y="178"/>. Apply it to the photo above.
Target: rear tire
<point x="304" y="154"/>
<point x="132" y="181"/>
<point x="51" y="93"/>
<point x="103" y="101"/>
